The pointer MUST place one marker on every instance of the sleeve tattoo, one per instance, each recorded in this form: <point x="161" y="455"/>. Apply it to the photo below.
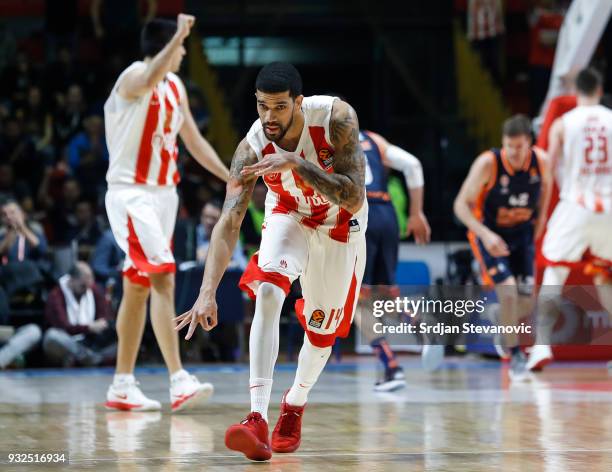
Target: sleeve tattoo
<point x="346" y="185"/>
<point x="239" y="187"/>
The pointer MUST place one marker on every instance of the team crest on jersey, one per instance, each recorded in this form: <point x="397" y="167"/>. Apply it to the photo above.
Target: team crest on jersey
<point x="273" y="178"/>
<point x="533" y="175"/>
<point x="316" y="319"/>
<point x="325" y="158"/>
<point x="504" y="181"/>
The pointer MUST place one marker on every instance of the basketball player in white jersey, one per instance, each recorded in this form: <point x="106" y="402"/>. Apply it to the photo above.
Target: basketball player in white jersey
<point x="308" y="152"/>
<point x="146" y="110"/>
<point x="581" y="144"/>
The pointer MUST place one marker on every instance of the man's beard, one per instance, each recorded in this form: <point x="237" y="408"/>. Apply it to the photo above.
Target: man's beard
<point x="282" y="131"/>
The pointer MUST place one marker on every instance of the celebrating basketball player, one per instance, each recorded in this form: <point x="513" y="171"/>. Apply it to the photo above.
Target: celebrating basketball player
<point x="580" y="141"/>
<point x="503" y="203"/>
<point x="145" y="111"/>
<point x="308" y="152"/>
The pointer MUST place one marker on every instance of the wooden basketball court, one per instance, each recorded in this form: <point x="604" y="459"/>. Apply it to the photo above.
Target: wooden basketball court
<point x="466" y="417"/>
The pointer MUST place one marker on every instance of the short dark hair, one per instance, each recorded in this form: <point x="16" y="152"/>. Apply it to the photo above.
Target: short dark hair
<point x="517" y="125"/>
<point x="155" y="35"/>
<point x="279" y="77"/>
<point x="588" y="81"/>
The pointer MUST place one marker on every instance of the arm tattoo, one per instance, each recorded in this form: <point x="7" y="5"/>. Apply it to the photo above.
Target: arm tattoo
<point x="346" y="186"/>
<point x="239" y="188"/>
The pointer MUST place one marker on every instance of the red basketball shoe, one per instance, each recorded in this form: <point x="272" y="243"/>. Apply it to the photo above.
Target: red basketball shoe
<point x="250" y="437"/>
<point x="287" y="434"/>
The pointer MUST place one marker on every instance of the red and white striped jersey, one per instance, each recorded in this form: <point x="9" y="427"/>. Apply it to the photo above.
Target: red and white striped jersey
<point x="485" y="19"/>
<point x="287" y="191"/>
<point x="586" y="165"/>
<point x="141" y="134"/>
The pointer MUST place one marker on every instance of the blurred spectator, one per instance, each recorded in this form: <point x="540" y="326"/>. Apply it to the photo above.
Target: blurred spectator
<point x="61" y="212"/>
<point x="19" y="77"/>
<point x="69" y="115"/>
<point x="18" y="150"/>
<point x="20" y="240"/>
<point x="85" y="231"/>
<point x="81" y="325"/>
<point x="23" y="248"/>
<point x="545" y="22"/>
<point x="107" y="258"/>
<point x="485" y="26"/>
<point x="253" y="219"/>
<point x="66" y="70"/>
<point x="88" y="157"/>
<point x="208" y="219"/>
<point x="23" y="340"/>
<point x="39" y="122"/>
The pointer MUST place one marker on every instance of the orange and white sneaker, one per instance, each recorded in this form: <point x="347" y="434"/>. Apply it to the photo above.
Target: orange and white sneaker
<point x="287" y="434"/>
<point x="250" y="437"/>
<point x="126" y="395"/>
<point x="186" y="391"/>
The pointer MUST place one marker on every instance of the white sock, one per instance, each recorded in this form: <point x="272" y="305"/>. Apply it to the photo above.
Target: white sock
<point x="178" y="375"/>
<point x="311" y="363"/>
<point x="123" y="378"/>
<point x="260" y="390"/>
<point x="263" y="344"/>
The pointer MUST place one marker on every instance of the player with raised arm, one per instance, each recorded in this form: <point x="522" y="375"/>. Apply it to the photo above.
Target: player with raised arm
<point x="146" y="110"/>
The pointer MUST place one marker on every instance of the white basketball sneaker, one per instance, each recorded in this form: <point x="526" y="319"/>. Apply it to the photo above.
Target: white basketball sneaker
<point x="539" y="356"/>
<point x="186" y="391"/>
<point x="125" y="395"/>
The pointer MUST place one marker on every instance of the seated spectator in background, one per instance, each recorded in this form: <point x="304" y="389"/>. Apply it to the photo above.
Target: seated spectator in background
<point x="107" y="258"/>
<point x="85" y="229"/>
<point x="18" y="77"/>
<point x="17" y="149"/>
<point x="81" y="325"/>
<point x="68" y="115"/>
<point x="39" y="122"/>
<point x="20" y="239"/>
<point x="61" y="212"/>
<point x="15" y="346"/>
<point x="65" y="69"/>
<point x="88" y="156"/>
<point x="208" y="219"/>
<point x="23" y="249"/>
<point x="253" y="219"/>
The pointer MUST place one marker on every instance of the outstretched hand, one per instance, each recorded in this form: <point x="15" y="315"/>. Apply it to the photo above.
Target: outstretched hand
<point x="203" y="313"/>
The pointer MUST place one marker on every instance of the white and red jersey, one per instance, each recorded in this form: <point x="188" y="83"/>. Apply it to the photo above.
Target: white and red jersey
<point x="289" y="194"/>
<point x="141" y="134"/>
<point x="586" y="166"/>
